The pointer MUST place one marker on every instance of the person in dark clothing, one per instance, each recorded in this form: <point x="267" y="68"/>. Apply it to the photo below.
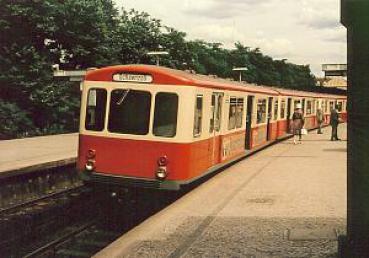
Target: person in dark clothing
<point x="298" y="122"/>
<point x="335" y="119"/>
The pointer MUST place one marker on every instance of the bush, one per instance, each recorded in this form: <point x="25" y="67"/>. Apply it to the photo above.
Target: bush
<point x="14" y="122"/>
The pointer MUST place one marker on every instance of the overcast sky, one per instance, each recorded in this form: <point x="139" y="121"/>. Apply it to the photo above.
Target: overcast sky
<point x="302" y="31"/>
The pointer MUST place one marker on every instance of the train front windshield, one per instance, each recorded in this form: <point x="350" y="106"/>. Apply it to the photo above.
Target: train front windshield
<point x="129" y="112"/>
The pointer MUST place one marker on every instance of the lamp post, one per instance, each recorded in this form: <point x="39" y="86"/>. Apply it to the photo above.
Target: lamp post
<point x="157" y="55"/>
<point x="240" y="69"/>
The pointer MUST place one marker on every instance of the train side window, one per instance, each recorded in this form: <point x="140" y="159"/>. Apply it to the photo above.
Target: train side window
<point x="283" y="109"/>
<point x="165" y="117"/>
<point x="331" y="105"/>
<point x="324" y="106"/>
<point x="339" y="106"/>
<point x="309" y="107"/>
<point x="212" y="110"/>
<point x="129" y="112"/>
<point x="261" y="111"/>
<point x="197" y="126"/>
<point x="215" y="113"/>
<point x="239" y="112"/>
<point x="232" y="113"/>
<point x="95" y="109"/>
<point x="218" y="117"/>
<point x="295" y="103"/>
<point x="275" y="114"/>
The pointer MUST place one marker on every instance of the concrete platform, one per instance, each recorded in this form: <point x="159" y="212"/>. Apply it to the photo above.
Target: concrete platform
<point x="25" y="155"/>
<point x="286" y="201"/>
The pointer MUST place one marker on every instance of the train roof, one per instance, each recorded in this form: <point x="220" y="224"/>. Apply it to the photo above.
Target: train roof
<point x="164" y="75"/>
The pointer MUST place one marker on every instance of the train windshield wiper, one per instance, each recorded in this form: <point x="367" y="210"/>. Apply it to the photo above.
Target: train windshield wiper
<point x="120" y="101"/>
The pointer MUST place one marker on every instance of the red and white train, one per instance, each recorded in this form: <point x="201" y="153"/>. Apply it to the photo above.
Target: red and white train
<point x="154" y="127"/>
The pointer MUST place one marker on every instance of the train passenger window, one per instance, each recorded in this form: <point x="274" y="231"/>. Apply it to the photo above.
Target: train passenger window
<point x="197" y="126"/>
<point x="309" y="107"/>
<point x="212" y="112"/>
<point x="218" y="113"/>
<point x="339" y="106"/>
<point x="129" y="112"/>
<point x="283" y="109"/>
<point x="239" y="112"/>
<point x="95" y="110"/>
<point x="295" y="103"/>
<point x="165" y="118"/>
<point x="331" y="105"/>
<point x="324" y="106"/>
<point x="232" y="113"/>
<point x="215" y="112"/>
<point x="261" y="111"/>
<point x="275" y="114"/>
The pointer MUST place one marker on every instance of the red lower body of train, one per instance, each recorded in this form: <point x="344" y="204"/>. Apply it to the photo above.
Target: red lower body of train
<point x="139" y="160"/>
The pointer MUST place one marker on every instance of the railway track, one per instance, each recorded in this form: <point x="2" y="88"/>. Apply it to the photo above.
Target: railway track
<point x="82" y="241"/>
<point x="35" y="201"/>
<point x="19" y="189"/>
<point x="29" y="224"/>
<point x="76" y="222"/>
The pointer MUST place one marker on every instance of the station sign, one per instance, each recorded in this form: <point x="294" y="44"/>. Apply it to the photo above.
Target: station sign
<point x="132" y="77"/>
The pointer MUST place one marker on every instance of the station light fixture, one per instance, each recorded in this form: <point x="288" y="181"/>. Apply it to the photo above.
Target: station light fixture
<point x="157" y="55"/>
<point x="240" y="69"/>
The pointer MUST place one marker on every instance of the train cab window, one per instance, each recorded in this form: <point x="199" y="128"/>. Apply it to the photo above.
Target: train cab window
<point x="261" y="111"/>
<point x="275" y="111"/>
<point x="165" y="118"/>
<point x="197" y="126"/>
<point x="239" y="112"/>
<point x="283" y="109"/>
<point x="129" y="112"/>
<point x="95" y="109"/>
<point x="232" y="113"/>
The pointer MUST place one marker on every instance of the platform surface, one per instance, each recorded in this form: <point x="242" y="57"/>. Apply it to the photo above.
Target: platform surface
<point x="23" y="155"/>
<point x="286" y="201"/>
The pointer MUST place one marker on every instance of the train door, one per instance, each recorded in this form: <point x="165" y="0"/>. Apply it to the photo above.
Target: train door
<point x="215" y="125"/>
<point x="250" y="105"/>
<point x="269" y="117"/>
<point x="289" y="106"/>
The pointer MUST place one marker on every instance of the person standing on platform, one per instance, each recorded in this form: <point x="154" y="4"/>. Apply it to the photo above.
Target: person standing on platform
<point x="335" y="119"/>
<point x="298" y="122"/>
<point x="320" y="119"/>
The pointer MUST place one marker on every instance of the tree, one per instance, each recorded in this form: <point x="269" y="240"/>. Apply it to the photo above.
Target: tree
<point x="77" y="34"/>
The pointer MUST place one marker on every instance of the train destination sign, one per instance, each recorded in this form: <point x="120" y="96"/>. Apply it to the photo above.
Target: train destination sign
<point x="132" y="77"/>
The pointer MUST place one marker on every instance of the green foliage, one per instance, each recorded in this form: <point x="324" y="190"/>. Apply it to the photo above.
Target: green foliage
<point x="77" y="34"/>
<point x="14" y="122"/>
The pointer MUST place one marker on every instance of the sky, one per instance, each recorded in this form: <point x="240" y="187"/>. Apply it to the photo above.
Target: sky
<point x="301" y="31"/>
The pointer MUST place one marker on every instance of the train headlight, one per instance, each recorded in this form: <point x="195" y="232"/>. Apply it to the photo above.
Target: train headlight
<point x="90" y="165"/>
<point x="161" y="173"/>
<point x="163" y="161"/>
